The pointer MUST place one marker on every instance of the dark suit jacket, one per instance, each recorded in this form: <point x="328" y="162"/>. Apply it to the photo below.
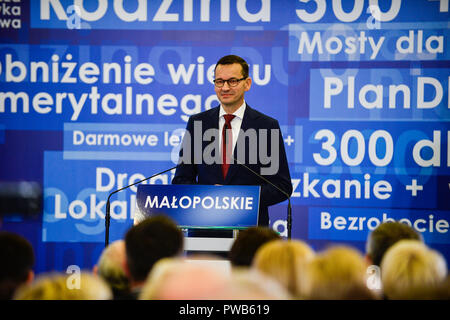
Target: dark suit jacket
<point x="202" y="173"/>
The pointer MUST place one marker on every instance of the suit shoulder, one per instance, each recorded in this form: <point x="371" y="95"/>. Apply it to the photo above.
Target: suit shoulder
<point x="207" y="114"/>
<point x="258" y="115"/>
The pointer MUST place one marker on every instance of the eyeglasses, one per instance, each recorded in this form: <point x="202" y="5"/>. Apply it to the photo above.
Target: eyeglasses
<point x="233" y="82"/>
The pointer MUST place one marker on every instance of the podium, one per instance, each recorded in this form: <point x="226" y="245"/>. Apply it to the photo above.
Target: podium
<point x="201" y="207"/>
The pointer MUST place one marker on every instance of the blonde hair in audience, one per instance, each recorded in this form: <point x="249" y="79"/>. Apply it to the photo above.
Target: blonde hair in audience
<point x="111" y="266"/>
<point x="284" y="260"/>
<point x="411" y="270"/>
<point x="56" y="286"/>
<point x="338" y="273"/>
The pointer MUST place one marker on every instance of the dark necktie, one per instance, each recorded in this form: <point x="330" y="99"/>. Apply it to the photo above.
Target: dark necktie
<point x="227" y="143"/>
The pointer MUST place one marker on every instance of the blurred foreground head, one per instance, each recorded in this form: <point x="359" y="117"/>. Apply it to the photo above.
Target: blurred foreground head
<point x="181" y="279"/>
<point x="411" y="270"/>
<point x="16" y="263"/>
<point x="338" y="273"/>
<point x="59" y="286"/>
<point x="248" y="242"/>
<point x="384" y="236"/>
<point x="284" y="261"/>
<point x="111" y="268"/>
<point x="147" y="242"/>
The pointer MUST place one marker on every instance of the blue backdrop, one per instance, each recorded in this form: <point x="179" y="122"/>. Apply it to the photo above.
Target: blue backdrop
<point x="96" y="94"/>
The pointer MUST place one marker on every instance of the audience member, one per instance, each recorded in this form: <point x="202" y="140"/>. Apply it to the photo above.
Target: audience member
<point x="411" y="270"/>
<point x="147" y="242"/>
<point x="148" y="265"/>
<point x="338" y="273"/>
<point x="248" y="242"/>
<point x="111" y="268"/>
<point x="384" y="236"/>
<point x="250" y="284"/>
<point x="16" y="263"/>
<point x="443" y="292"/>
<point x="181" y="279"/>
<point x="211" y="259"/>
<point x="60" y="286"/>
<point x="284" y="261"/>
<point x="178" y="279"/>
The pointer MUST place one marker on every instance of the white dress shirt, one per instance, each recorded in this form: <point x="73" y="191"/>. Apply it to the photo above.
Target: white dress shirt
<point x="235" y="123"/>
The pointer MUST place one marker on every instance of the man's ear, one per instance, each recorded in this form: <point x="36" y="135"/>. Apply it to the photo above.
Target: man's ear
<point x="126" y="269"/>
<point x="95" y="270"/>
<point x="248" y="83"/>
<point x="368" y="259"/>
<point x="30" y="277"/>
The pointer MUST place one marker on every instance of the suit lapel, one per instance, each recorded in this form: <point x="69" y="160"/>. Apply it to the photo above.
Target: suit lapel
<point x="212" y="122"/>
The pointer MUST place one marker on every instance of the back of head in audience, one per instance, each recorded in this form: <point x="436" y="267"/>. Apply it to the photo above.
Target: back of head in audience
<point x="338" y="273"/>
<point x="178" y="279"/>
<point x="250" y="284"/>
<point x="384" y="236"/>
<point x="16" y="263"/>
<point x="443" y="292"/>
<point x="411" y="270"/>
<point x="111" y="267"/>
<point x="284" y="261"/>
<point x="147" y="242"/>
<point x="248" y="242"/>
<point x="183" y="279"/>
<point x="60" y="286"/>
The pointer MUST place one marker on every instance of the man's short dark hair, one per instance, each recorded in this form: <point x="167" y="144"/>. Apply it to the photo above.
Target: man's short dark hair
<point x="147" y="242"/>
<point x="232" y="59"/>
<point x="248" y="242"/>
<point x="16" y="262"/>
<point x="385" y="235"/>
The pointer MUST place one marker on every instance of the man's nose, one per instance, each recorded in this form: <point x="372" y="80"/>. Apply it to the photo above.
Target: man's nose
<point x="226" y="86"/>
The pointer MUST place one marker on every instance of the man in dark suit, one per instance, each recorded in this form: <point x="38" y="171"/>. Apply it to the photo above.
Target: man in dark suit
<point x="212" y="135"/>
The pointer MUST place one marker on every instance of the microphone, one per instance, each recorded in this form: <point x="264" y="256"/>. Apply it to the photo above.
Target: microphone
<point x="108" y="214"/>
<point x="289" y="211"/>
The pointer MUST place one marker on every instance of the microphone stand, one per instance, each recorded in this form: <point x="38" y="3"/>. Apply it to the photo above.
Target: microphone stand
<point x="289" y="211"/>
<point x="108" y="206"/>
